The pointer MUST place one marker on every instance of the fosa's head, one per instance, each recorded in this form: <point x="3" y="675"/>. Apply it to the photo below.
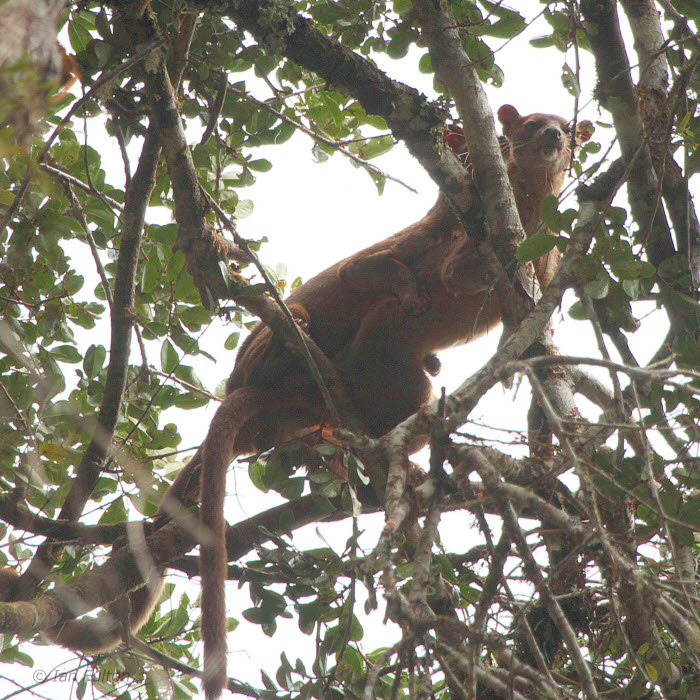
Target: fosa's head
<point x="542" y="141"/>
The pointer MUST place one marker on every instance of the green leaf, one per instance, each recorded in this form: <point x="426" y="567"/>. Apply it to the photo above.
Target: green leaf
<point x="78" y="36"/>
<point x="398" y="46"/>
<point x="379" y="181"/>
<point x="283" y="133"/>
<point x="261" y="165"/>
<point x="542" y="42"/>
<point x="570" y="81"/>
<point x="598" y="288"/>
<point x="169" y="357"/>
<point x="103" y="51"/>
<point x="616" y="215"/>
<point x="115" y="513"/>
<point x="469" y="593"/>
<point x="102" y="24"/>
<point x="356" y="468"/>
<point x="318" y="154"/>
<point x="66" y="353"/>
<point x="631" y="269"/>
<point x="536" y="246"/>
<point x="688" y="8"/>
<point x="187" y="374"/>
<point x="231" y="343"/>
<point x="6" y="197"/>
<point x="549" y="211"/>
<point x="81" y="686"/>
<point x="326" y="450"/>
<point x="354" y="501"/>
<point x="256" y="472"/>
<point x="331" y="489"/>
<point x="73" y="283"/>
<point x="194" y="316"/>
<point x="244" y="208"/>
<point x="292" y="488"/>
<point x="578" y="311"/>
<point x="11" y="654"/>
<point x="507" y="27"/>
<point x="632" y="288"/>
<point x="425" y="64"/>
<point x="267" y="681"/>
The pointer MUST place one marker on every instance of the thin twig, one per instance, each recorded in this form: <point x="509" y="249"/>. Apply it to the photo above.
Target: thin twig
<point x="272" y="288"/>
<point x="318" y="137"/>
<point x="82" y="220"/>
<point x="80" y="184"/>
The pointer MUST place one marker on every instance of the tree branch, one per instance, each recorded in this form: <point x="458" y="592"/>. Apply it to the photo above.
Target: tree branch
<point x="203" y="249"/>
<point x="122" y="323"/>
<point x="456" y="71"/>
<point x="121" y="572"/>
<point x="409" y="115"/>
<point x="616" y="92"/>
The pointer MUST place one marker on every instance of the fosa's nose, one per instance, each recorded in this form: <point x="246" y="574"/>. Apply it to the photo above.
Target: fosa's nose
<point x="552" y="134"/>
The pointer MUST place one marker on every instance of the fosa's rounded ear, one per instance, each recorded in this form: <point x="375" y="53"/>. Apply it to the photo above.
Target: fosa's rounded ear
<point x="584" y="131"/>
<point x="507" y="115"/>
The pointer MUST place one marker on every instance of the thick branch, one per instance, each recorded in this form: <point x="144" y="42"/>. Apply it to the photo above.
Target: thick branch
<point x="21" y="518"/>
<point x="616" y="92"/>
<point x="657" y="109"/>
<point x="121" y="572"/>
<point x="649" y="42"/>
<point x="409" y="115"/>
<point x="456" y="71"/>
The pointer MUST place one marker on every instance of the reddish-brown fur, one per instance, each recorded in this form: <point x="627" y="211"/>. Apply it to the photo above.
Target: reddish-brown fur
<point x="378" y="315"/>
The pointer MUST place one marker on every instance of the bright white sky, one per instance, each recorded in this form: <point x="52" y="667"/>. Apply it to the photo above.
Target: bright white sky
<point x="315" y="214"/>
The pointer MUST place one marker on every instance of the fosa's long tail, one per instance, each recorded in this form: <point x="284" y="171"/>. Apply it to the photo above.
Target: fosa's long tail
<point x="217" y="452"/>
